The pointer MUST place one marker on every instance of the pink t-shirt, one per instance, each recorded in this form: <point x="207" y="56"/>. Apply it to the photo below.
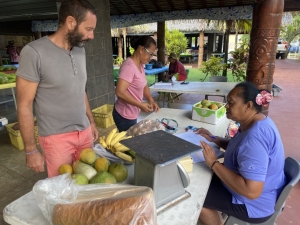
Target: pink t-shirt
<point x="137" y="80"/>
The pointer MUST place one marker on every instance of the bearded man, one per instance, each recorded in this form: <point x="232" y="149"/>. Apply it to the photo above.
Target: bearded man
<point x="52" y="77"/>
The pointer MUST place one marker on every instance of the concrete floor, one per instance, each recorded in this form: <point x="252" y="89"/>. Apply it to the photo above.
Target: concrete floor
<point x="16" y="179"/>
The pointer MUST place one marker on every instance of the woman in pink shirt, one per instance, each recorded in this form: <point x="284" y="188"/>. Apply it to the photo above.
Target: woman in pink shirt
<point x="132" y="85"/>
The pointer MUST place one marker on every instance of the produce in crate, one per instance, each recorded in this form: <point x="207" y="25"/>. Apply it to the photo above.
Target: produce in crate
<point x="112" y="144"/>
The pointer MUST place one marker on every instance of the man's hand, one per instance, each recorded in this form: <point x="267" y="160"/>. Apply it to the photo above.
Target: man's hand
<point x="95" y="131"/>
<point x="35" y="161"/>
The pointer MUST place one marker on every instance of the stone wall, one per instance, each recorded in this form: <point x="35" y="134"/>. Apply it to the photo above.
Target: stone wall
<point x="100" y="83"/>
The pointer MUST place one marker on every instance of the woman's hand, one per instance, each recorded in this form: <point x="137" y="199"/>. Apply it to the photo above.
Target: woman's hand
<point x="208" y="153"/>
<point x="146" y="107"/>
<point x="154" y="106"/>
<point x="205" y="133"/>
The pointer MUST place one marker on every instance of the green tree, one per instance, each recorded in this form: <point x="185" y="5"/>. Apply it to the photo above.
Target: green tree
<point x="291" y="31"/>
<point x="175" y="42"/>
<point x="213" y="67"/>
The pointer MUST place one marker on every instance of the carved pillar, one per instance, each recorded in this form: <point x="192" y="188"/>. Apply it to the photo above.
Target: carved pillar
<point x="267" y="15"/>
<point x="161" y="46"/>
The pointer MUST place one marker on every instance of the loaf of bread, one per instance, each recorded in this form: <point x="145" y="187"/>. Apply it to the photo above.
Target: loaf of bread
<point x="132" y="208"/>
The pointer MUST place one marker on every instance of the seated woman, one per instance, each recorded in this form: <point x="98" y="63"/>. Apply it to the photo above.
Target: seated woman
<point x="247" y="185"/>
<point x="176" y="69"/>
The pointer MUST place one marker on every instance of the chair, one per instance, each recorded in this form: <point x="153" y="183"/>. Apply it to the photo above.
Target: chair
<point x="217" y="79"/>
<point x="292" y="173"/>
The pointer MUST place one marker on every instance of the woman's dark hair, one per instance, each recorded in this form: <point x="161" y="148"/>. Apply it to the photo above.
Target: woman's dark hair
<point x="249" y="93"/>
<point x="75" y="8"/>
<point x="144" y="41"/>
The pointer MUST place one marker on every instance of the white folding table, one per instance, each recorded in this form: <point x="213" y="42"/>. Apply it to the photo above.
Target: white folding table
<point x="25" y="210"/>
<point x="205" y="88"/>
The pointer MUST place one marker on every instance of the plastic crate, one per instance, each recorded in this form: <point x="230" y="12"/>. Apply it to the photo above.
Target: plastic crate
<point x="16" y="138"/>
<point x="207" y="115"/>
<point x="103" y="116"/>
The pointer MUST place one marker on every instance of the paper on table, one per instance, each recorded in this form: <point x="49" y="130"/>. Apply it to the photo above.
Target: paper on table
<point x="195" y="139"/>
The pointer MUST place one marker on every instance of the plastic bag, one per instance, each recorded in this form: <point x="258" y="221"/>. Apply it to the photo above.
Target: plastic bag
<point x="144" y="127"/>
<point x="62" y="202"/>
<point x="102" y="152"/>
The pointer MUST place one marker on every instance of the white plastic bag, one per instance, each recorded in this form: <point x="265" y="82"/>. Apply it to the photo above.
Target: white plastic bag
<point x="102" y="152"/>
<point x="144" y="127"/>
<point x="63" y="202"/>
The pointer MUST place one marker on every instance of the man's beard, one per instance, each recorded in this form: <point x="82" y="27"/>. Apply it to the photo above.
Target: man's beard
<point x="76" y="39"/>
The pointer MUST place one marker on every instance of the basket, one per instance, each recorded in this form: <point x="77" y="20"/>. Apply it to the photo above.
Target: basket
<point x="16" y="138"/>
<point x="103" y="116"/>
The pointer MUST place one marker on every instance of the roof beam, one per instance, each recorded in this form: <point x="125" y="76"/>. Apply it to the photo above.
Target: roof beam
<point x="187" y="4"/>
<point x="221" y="3"/>
<point x="203" y="2"/>
<point x="145" y="10"/>
<point x="290" y="6"/>
<point x="119" y="12"/>
<point x="125" y="3"/>
<point x="171" y="4"/>
<point x="156" y="6"/>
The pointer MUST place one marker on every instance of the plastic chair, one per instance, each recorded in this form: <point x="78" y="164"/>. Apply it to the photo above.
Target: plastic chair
<point x="292" y="173"/>
<point x="217" y="79"/>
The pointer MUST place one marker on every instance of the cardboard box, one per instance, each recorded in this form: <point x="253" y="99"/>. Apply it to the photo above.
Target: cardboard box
<point x="207" y="115"/>
<point x="103" y="116"/>
<point x="187" y="163"/>
<point x="16" y="138"/>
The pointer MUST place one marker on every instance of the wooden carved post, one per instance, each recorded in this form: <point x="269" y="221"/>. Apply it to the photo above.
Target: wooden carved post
<point x="267" y="15"/>
<point x="201" y="48"/>
<point x="161" y="46"/>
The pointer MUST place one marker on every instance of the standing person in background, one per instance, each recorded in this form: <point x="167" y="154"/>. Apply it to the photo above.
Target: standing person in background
<point x="176" y="68"/>
<point x="52" y="75"/>
<point x="132" y="85"/>
<point x="13" y="52"/>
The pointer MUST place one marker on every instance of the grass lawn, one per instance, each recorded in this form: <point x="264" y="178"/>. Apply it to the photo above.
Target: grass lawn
<point x="194" y="75"/>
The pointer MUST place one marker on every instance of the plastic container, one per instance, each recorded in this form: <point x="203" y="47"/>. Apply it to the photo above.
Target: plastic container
<point x="16" y="138"/>
<point x="148" y="66"/>
<point x="207" y="115"/>
<point x="103" y="116"/>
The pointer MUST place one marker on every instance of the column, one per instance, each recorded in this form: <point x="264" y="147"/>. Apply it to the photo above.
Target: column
<point x="161" y="47"/>
<point x="99" y="60"/>
<point x="267" y="15"/>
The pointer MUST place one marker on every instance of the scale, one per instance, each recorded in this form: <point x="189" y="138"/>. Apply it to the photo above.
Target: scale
<point x="156" y="166"/>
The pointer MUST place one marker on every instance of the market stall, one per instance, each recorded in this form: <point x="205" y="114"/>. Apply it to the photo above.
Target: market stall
<point x="25" y="210"/>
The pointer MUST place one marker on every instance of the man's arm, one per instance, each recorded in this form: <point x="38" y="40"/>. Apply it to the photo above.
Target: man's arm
<point x="26" y="91"/>
<point x="89" y="114"/>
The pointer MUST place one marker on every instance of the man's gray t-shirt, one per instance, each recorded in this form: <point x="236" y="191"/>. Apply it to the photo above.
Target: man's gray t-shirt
<point x="60" y="97"/>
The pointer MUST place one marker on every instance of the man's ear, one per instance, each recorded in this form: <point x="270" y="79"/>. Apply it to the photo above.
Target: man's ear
<point x="71" y="22"/>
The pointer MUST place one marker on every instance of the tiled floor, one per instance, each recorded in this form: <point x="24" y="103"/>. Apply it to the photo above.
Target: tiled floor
<point x="16" y="179"/>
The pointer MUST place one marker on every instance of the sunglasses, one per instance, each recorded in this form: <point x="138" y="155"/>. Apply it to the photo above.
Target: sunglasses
<point x="151" y="54"/>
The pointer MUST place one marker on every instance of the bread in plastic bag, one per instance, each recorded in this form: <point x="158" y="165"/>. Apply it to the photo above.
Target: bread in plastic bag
<point x="62" y="202"/>
<point x="144" y="127"/>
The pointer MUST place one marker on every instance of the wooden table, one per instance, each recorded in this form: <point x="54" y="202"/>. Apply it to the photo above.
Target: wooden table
<point x="25" y="210"/>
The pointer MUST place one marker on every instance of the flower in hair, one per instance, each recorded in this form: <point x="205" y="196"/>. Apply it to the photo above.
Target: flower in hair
<point x="263" y="98"/>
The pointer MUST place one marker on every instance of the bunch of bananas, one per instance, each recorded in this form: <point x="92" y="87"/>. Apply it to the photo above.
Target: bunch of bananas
<point x="112" y="143"/>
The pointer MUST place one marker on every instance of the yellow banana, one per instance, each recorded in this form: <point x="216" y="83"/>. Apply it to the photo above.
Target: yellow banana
<point x="122" y="148"/>
<point x="124" y="156"/>
<point x="117" y="138"/>
<point x="102" y="142"/>
<point x="126" y="137"/>
<point x="110" y="136"/>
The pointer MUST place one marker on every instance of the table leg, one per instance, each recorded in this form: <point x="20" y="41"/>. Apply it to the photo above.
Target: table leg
<point x="13" y="93"/>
